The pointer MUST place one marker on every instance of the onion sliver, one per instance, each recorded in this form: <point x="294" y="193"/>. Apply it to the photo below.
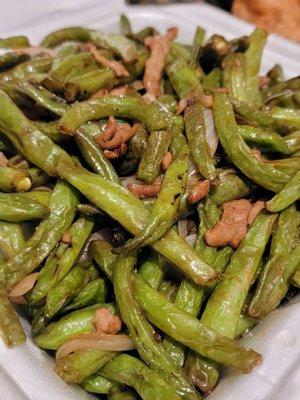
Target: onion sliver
<point x="210" y="130"/>
<point x="24" y="285"/>
<point x="191" y="239"/>
<point x="95" y="341"/>
<point x="183" y="228"/>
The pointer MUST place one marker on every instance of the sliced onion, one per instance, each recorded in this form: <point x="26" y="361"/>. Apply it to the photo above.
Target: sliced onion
<point x="96" y="341"/>
<point x="183" y="228"/>
<point x="130" y="179"/>
<point x="24" y="285"/>
<point x="191" y="239"/>
<point x="211" y="134"/>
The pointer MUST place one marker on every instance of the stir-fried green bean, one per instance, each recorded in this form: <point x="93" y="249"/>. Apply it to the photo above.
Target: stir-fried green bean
<point x="133" y="157"/>
<point x="284" y="259"/>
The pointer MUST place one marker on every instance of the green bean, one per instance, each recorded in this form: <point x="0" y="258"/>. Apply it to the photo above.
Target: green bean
<point x="150" y="164"/>
<point x="169" y="102"/>
<point x="66" y="34"/>
<point x="11" y="239"/>
<point x="230" y="187"/>
<point x="101" y="251"/>
<point x="38" y="177"/>
<point x="61" y="260"/>
<point x="17" y="208"/>
<point x="190" y="296"/>
<point x="94" y="292"/>
<point x="3" y="144"/>
<point x="98" y="384"/>
<point x="281" y="86"/>
<point x="293" y="141"/>
<point x="69" y="66"/>
<point x="77" y="366"/>
<point x="245" y="323"/>
<point x="188" y="330"/>
<point x="286" y="116"/>
<point x="133" y="372"/>
<point x="201" y="372"/>
<point x="11" y="329"/>
<point x="65" y="290"/>
<point x="164" y="210"/>
<point x="14" y="42"/>
<point x="182" y="51"/>
<point x="136" y="147"/>
<point x="141" y="332"/>
<point x="239" y="153"/>
<point x="263" y="139"/>
<point x="36" y="69"/>
<point x="120" y="45"/>
<point x="288" y="166"/>
<point x="40" y="95"/>
<point x="41" y="196"/>
<point x="39" y="322"/>
<point x="13" y="123"/>
<point x="125" y="26"/>
<point x="288" y="195"/>
<point x="204" y="372"/>
<point x="50" y="129"/>
<point x="261" y="118"/>
<point x="62" y="209"/>
<point x="182" y="77"/>
<point x="196" y="135"/>
<point x="88" y="210"/>
<point x="212" y="81"/>
<point x="93" y="154"/>
<point x="152" y="270"/>
<point x="234" y="75"/>
<point x="275" y="74"/>
<point x="197" y="43"/>
<point x="284" y="258"/>
<point x="14" y="179"/>
<point x="152" y="116"/>
<point x="75" y="323"/>
<point x="296" y="278"/>
<point x="11" y="59"/>
<point x="168" y="289"/>
<point x="225" y="304"/>
<point x="133" y="214"/>
<point x="253" y="55"/>
<point x="140" y="36"/>
<point x="89" y="83"/>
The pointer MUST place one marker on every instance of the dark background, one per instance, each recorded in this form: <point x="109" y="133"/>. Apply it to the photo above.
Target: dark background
<point x="225" y="4"/>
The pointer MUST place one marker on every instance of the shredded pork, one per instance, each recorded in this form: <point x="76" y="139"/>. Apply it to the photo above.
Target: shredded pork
<point x="118" y="67"/>
<point x="232" y="228"/>
<point x="144" y="190"/>
<point x="199" y="191"/>
<point x="159" y="49"/>
<point x="106" y="322"/>
<point x="115" y="134"/>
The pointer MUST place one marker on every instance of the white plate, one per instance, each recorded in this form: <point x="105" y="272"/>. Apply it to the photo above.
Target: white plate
<point x="26" y="372"/>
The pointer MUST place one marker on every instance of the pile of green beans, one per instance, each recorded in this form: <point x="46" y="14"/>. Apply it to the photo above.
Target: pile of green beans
<point x="77" y="237"/>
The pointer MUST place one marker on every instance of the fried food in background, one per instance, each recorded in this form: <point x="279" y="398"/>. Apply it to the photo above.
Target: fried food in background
<point x="279" y="16"/>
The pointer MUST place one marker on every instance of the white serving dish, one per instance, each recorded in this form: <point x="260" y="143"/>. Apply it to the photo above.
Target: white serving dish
<point x="26" y="372"/>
